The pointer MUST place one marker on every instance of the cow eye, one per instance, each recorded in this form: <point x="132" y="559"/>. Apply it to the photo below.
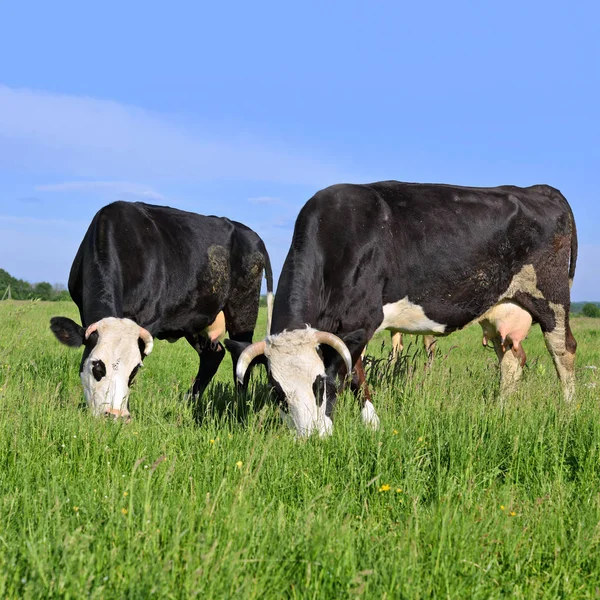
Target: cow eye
<point x="98" y="369"/>
<point x="133" y="373"/>
<point x="319" y="389"/>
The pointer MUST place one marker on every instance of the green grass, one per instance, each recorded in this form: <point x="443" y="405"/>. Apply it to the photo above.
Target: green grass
<point x="485" y="501"/>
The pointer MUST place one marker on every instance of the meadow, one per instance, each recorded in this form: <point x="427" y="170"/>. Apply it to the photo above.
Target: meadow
<point x="455" y="496"/>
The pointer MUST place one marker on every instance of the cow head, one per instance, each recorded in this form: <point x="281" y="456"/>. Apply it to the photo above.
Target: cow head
<point x="304" y="381"/>
<point x="114" y="350"/>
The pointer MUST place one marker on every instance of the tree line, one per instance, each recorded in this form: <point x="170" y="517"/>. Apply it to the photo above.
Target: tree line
<point x="18" y="289"/>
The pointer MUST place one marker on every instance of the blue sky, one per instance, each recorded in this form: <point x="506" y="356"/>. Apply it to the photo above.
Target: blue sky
<point x="247" y="109"/>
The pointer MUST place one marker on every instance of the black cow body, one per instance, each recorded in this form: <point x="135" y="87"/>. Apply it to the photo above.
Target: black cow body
<point x="171" y="272"/>
<point x="431" y="259"/>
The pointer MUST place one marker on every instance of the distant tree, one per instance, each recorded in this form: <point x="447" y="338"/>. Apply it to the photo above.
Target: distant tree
<point x="23" y="290"/>
<point x="591" y="310"/>
<point x="43" y="291"/>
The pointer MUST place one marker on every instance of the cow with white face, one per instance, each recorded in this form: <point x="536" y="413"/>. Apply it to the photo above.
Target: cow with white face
<point x="114" y="351"/>
<point x="425" y="259"/>
<point x="144" y="272"/>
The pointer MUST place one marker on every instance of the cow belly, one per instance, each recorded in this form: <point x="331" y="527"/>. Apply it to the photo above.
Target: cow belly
<point x="407" y="317"/>
<point x="508" y="321"/>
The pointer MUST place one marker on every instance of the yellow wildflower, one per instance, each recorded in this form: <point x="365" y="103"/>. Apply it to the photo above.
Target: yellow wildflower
<point x="125" y="494"/>
<point x="76" y="508"/>
<point x="211" y="441"/>
<point x="398" y="490"/>
<point x="395" y="432"/>
<point x="124" y="511"/>
<point x="239" y="464"/>
<point x="513" y="513"/>
<point x="386" y="487"/>
<point x="502" y="507"/>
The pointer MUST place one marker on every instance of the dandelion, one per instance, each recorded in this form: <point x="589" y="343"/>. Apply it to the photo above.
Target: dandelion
<point x="502" y="507"/>
<point x="239" y="464"/>
<point x="76" y="508"/>
<point x="125" y="494"/>
<point x="420" y="439"/>
<point x="123" y="511"/>
<point x="211" y="441"/>
<point x="395" y="432"/>
<point x="386" y="487"/>
<point x="513" y="513"/>
<point x="398" y="490"/>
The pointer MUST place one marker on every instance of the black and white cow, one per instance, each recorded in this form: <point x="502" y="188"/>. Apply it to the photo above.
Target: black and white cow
<point x="427" y="259"/>
<point x="145" y="271"/>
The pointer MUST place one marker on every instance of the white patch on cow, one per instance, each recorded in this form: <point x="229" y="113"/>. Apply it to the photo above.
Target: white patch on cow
<point x="564" y="361"/>
<point x="407" y="317"/>
<point x="295" y="364"/>
<point x="369" y="416"/>
<point x="118" y="349"/>
<point x="524" y="281"/>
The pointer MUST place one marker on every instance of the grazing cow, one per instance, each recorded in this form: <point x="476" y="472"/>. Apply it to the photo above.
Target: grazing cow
<point x="146" y="271"/>
<point x="422" y="259"/>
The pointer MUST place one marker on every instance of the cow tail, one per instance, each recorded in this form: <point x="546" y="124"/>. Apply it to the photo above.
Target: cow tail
<point x="574" y="247"/>
<point x="269" y="278"/>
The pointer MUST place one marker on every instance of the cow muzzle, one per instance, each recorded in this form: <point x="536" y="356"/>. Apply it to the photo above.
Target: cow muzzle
<point x="116" y="414"/>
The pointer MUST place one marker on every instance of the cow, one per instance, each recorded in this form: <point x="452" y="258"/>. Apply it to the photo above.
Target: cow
<point x="426" y="259"/>
<point x="144" y="272"/>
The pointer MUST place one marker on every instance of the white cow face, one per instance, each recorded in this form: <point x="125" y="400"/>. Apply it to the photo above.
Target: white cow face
<point x="297" y="372"/>
<point x="113" y="354"/>
<point x="297" y="369"/>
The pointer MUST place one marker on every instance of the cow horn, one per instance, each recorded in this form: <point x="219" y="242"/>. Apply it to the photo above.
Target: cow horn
<point x="246" y="357"/>
<point x="324" y="337"/>
<point x="146" y="337"/>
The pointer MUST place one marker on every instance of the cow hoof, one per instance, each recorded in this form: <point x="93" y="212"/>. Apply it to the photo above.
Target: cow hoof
<point x="369" y="416"/>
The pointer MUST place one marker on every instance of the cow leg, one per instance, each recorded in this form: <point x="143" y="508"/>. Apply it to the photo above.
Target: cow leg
<point x="397" y="346"/>
<point x="562" y="347"/>
<point x="429" y="342"/>
<point x="360" y="388"/>
<point x="511" y="367"/>
<point x="210" y="356"/>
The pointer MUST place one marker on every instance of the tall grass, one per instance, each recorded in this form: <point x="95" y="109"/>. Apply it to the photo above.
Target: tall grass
<point x="455" y="496"/>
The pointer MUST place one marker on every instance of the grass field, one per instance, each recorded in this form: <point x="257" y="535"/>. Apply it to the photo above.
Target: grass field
<point x="455" y="496"/>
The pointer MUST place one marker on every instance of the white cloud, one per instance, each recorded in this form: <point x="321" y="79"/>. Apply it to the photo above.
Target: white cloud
<point x="84" y="137"/>
<point x="111" y="188"/>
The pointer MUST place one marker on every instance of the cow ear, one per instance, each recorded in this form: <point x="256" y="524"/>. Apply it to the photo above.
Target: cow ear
<point x="355" y="342"/>
<point x="67" y="331"/>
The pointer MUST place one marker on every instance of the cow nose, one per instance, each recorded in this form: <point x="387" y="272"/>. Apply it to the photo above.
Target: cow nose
<point x="116" y="414"/>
